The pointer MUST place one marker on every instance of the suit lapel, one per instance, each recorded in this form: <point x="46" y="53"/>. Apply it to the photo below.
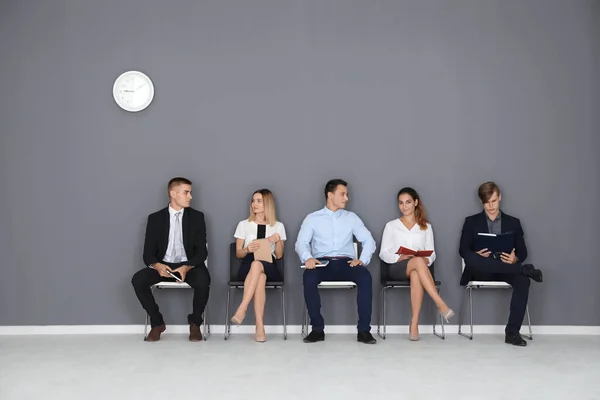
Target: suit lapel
<point x="185" y="225"/>
<point x="482" y="226"/>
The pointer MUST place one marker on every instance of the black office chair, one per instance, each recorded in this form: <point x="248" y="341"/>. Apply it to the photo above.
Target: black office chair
<point x="235" y="283"/>
<point x="479" y="285"/>
<point x="386" y="284"/>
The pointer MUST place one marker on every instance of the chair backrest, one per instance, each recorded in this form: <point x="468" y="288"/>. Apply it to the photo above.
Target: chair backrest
<point x="235" y="263"/>
<point x="384" y="271"/>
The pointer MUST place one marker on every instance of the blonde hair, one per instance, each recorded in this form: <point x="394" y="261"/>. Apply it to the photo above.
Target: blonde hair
<point x="269" y="205"/>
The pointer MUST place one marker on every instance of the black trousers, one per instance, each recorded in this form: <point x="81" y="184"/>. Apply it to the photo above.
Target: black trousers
<point x="198" y="278"/>
<point x="489" y="269"/>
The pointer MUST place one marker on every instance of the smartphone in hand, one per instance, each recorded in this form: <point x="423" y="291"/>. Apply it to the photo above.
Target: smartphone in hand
<point x="176" y="277"/>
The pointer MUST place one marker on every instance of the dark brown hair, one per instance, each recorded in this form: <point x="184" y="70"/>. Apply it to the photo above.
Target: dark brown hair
<point x="420" y="213"/>
<point x="178" y="181"/>
<point x="332" y="185"/>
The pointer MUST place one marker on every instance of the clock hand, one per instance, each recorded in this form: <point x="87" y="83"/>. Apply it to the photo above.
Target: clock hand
<point x="142" y="85"/>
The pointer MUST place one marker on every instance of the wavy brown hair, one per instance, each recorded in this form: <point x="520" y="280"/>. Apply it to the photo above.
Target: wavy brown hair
<point x="420" y="213"/>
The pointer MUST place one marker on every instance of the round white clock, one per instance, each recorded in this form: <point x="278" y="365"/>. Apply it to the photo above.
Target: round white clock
<point x="133" y="91"/>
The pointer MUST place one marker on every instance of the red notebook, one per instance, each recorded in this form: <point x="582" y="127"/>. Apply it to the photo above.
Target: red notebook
<point x="410" y="252"/>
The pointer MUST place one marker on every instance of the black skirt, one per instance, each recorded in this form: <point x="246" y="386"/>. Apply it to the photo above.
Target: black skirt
<point x="398" y="270"/>
<point x="271" y="270"/>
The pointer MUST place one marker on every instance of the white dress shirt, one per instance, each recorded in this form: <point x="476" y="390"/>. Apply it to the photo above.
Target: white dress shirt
<point x="395" y="234"/>
<point x="248" y="230"/>
<point x="172" y="247"/>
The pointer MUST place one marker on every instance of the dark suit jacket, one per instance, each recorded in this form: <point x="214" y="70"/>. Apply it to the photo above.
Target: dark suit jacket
<point x="193" y="232"/>
<point x="478" y="223"/>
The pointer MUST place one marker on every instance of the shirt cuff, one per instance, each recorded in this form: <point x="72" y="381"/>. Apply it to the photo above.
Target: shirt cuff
<point x="306" y="256"/>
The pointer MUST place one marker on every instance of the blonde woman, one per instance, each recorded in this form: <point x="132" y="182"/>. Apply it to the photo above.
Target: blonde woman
<point x="255" y="274"/>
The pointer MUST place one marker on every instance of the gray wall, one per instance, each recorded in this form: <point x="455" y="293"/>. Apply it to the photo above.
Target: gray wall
<point x="440" y="95"/>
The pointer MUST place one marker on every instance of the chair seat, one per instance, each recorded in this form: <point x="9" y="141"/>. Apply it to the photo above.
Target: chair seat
<point x="334" y="284"/>
<point x="404" y="283"/>
<point x="494" y="284"/>
<point x="241" y="283"/>
<point x="171" y="285"/>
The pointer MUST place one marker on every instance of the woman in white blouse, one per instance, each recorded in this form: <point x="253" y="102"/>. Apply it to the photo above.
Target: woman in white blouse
<point x="413" y="231"/>
<point x="255" y="274"/>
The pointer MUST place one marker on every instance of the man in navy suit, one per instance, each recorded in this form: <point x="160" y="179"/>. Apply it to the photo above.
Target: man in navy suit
<point x="482" y="265"/>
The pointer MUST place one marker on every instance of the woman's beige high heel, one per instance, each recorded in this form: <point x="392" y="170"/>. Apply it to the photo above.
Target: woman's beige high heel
<point x="447" y="314"/>
<point x="260" y="338"/>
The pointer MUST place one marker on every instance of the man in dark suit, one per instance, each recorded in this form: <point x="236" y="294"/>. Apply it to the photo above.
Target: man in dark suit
<point x="482" y="265"/>
<point x="175" y="244"/>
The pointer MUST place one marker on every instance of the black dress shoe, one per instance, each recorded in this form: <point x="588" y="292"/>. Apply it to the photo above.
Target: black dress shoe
<point x="515" y="339"/>
<point x="532" y="272"/>
<point x="314" y="336"/>
<point x="366" y="337"/>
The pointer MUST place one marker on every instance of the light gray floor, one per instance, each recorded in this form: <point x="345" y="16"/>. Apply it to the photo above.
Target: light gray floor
<point x="125" y="367"/>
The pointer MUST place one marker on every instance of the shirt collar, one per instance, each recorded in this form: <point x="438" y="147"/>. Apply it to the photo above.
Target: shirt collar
<point x="329" y="212"/>
<point x="172" y="211"/>
<point x="488" y="218"/>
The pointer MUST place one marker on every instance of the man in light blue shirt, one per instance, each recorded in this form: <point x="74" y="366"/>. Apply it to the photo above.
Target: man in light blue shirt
<point x="328" y="234"/>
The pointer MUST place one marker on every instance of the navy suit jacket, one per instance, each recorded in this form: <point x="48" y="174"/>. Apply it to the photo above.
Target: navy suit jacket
<point x="478" y="223"/>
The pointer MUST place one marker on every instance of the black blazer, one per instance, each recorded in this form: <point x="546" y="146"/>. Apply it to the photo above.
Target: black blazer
<point x="194" y="236"/>
<point x="478" y="223"/>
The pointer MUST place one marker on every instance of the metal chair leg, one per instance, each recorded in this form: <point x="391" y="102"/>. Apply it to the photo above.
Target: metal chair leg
<point x="205" y="326"/>
<point x="471" y="310"/>
<point x="227" y="322"/>
<point x="530" y="337"/>
<point x="146" y="328"/>
<point x="462" y="313"/>
<point x="304" y="321"/>
<point x="147" y="319"/>
<point x="379" y="306"/>
<point x="283" y="309"/>
<point x="443" y="335"/>
<point x="383" y="309"/>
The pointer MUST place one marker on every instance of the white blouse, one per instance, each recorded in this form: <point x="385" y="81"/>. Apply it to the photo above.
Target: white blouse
<point x="395" y="234"/>
<point x="248" y="231"/>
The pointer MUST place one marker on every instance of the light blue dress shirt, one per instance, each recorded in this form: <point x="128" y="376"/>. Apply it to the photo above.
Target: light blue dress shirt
<point x="325" y="233"/>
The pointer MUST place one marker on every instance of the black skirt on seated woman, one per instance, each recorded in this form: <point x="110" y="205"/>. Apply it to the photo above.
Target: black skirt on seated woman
<point x="398" y="271"/>
<point x="271" y="270"/>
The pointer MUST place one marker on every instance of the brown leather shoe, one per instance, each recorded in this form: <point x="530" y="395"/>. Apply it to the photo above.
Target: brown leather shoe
<point x="154" y="335"/>
<point x="195" y="334"/>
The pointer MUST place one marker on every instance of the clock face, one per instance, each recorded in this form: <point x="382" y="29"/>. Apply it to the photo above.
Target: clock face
<point x="133" y="91"/>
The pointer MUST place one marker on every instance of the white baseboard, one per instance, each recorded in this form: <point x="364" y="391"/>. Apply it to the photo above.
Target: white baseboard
<point x="291" y="329"/>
